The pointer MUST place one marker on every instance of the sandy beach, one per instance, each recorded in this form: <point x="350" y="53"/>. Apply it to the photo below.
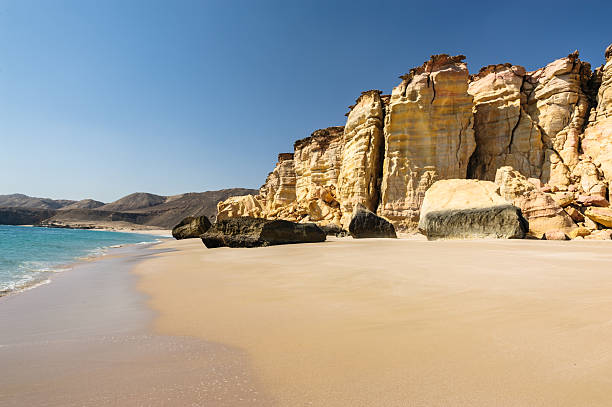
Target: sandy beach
<point x="85" y="339"/>
<point x="400" y="322"/>
<point x="372" y="322"/>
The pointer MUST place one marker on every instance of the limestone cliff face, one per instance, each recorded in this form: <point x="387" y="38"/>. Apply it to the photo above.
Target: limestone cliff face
<point x="552" y="127"/>
<point x="505" y="134"/>
<point x="597" y="141"/>
<point x="317" y="161"/>
<point x="302" y="186"/>
<point x="279" y="188"/>
<point x="557" y="103"/>
<point x="242" y="205"/>
<point x="361" y="160"/>
<point x="428" y="136"/>
<point x="530" y="121"/>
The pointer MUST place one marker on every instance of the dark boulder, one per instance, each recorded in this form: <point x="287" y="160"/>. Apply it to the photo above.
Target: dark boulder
<point x="255" y="232"/>
<point x="191" y="227"/>
<point x="366" y="224"/>
<point x="334" y="230"/>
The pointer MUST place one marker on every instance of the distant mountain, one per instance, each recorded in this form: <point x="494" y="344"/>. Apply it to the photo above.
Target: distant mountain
<point x="178" y="207"/>
<point x="137" y="200"/>
<point x="84" y="204"/>
<point x="136" y="210"/>
<point x="24" y="201"/>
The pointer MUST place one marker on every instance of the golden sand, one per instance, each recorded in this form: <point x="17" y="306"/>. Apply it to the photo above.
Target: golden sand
<point x="399" y="322"/>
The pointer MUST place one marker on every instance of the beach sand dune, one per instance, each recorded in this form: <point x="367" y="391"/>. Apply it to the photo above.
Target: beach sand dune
<point x="398" y="322"/>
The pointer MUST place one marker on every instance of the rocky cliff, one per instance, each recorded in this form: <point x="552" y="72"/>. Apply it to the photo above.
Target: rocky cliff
<point x="428" y="136"/>
<point x="362" y="155"/>
<point x="552" y="126"/>
<point x="597" y="140"/>
<point x="302" y="186"/>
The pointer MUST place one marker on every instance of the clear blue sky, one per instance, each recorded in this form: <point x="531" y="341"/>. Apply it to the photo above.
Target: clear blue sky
<point x="99" y="99"/>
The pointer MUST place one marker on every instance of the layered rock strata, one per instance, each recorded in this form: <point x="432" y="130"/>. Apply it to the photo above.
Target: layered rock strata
<point x="362" y="156"/>
<point x="428" y="135"/>
<point x="279" y="188"/>
<point x="505" y="134"/>
<point x="557" y="102"/>
<point x="237" y="206"/>
<point x="553" y="126"/>
<point x="597" y="140"/>
<point x="317" y="161"/>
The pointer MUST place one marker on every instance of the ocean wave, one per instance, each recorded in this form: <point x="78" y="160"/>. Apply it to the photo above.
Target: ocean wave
<point x="33" y="253"/>
<point x="27" y="282"/>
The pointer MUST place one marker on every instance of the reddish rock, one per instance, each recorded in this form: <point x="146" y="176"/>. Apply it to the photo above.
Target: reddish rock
<point x="555" y="235"/>
<point x="593" y="200"/>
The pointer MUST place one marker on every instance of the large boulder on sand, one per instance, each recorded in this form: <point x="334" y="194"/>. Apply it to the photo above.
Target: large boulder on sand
<point x="255" y="232"/>
<point x="191" y="227"/>
<point x="467" y="208"/>
<point x="334" y="230"/>
<point x="365" y="224"/>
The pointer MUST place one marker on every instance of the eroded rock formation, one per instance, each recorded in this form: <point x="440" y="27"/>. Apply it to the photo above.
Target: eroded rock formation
<point x="597" y="142"/>
<point x="358" y="182"/>
<point x="552" y="127"/>
<point x="279" y="188"/>
<point x="541" y="210"/>
<point x="505" y="134"/>
<point x="557" y="102"/>
<point x="317" y="161"/>
<point x="428" y="135"/>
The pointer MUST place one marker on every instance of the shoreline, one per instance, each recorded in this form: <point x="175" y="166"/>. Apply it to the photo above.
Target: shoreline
<point x="153" y="231"/>
<point x="392" y="322"/>
<point x="86" y="340"/>
<point x="47" y="276"/>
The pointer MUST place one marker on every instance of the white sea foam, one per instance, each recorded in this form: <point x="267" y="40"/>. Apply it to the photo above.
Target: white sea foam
<point x="30" y="254"/>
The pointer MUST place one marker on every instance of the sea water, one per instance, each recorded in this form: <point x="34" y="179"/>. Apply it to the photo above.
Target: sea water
<point x="29" y="254"/>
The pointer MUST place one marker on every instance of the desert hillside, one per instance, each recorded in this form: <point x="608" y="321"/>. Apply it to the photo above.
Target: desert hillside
<point x="137" y="210"/>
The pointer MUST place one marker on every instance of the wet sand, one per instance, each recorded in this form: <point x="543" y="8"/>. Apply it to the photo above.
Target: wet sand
<point x="85" y="339"/>
<point x="400" y="322"/>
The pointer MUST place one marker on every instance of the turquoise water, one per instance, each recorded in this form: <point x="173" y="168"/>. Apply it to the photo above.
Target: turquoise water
<point x="28" y="255"/>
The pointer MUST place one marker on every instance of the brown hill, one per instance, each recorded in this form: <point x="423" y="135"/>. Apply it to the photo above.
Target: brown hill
<point x="178" y="207"/>
<point x="137" y="200"/>
<point x="144" y="213"/>
<point x="24" y="201"/>
<point x="84" y="204"/>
